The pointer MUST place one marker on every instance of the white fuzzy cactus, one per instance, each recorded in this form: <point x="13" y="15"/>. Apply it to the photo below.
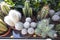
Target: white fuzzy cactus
<point x="9" y="21"/>
<point x="19" y="26"/>
<point x="15" y="15"/>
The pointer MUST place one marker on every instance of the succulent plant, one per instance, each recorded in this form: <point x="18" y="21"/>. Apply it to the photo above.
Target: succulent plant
<point x="8" y="21"/>
<point x="45" y="29"/>
<point x="1" y="15"/>
<point x="5" y="8"/>
<point x="27" y="10"/>
<point x="58" y="13"/>
<point x="44" y="12"/>
<point x="3" y="27"/>
<point x="15" y="15"/>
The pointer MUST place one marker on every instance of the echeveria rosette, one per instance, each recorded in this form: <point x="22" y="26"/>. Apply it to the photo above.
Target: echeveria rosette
<point x="45" y="28"/>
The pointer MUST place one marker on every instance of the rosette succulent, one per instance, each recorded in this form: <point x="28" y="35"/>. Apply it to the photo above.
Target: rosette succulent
<point x="55" y="18"/>
<point x="28" y="19"/>
<point x="45" y="29"/>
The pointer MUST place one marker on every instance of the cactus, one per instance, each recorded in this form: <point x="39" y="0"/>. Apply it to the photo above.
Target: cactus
<point x="45" y="29"/>
<point x="5" y="8"/>
<point x="27" y="10"/>
<point x="1" y="16"/>
<point x="44" y="12"/>
<point x="3" y="27"/>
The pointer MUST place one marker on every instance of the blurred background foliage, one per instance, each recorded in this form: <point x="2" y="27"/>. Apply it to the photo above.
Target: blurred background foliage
<point x="35" y="4"/>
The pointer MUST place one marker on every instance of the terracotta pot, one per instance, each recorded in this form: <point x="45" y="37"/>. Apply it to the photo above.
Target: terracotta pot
<point x="5" y="34"/>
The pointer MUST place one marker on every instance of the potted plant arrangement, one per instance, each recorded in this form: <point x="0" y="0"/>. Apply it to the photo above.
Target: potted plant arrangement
<point x="32" y="18"/>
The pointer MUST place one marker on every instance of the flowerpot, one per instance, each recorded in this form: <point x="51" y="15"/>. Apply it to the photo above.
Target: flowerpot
<point x="6" y="33"/>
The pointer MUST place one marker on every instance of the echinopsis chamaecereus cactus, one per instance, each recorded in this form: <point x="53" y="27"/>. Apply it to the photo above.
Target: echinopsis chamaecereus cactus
<point x="44" y="12"/>
<point x="3" y="27"/>
<point x="27" y="10"/>
<point x="45" y="29"/>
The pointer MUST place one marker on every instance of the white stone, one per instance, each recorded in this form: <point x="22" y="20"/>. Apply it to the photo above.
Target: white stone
<point x="30" y="30"/>
<point x="26" y="25"/>
<point x="33" y="24"/>
<point x="24" y="31"/>
<point x="19" y="26"/>
<point x="51" y="12"/>
<point x="28" y="19"/>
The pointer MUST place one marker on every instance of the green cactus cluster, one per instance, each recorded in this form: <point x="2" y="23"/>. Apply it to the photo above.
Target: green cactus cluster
<point x="5" y="9"/>
<point x="45" y="29"/>
<point x="3" y="27"/>
<point x="27" y="10"/>
<point x="44" y="12"/>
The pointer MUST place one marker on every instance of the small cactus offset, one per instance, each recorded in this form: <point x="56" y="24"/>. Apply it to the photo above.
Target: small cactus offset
<point x="45" y="29"/>
<point x="5" y="8"/>
<point x="27" y="10"/>
<point x="44" y="12"/>
<point x="3" y="27"/>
